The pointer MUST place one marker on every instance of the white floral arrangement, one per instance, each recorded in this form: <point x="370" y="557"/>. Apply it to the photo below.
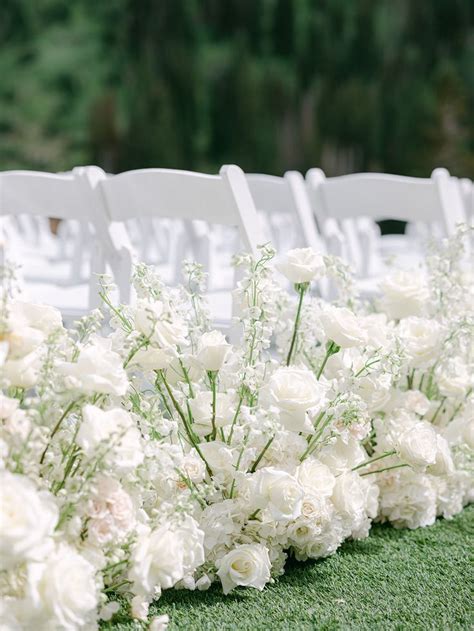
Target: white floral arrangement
<point x="142" y="451"/>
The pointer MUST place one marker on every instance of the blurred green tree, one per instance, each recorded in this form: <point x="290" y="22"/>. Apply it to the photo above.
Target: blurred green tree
<point x="268" y="84"/>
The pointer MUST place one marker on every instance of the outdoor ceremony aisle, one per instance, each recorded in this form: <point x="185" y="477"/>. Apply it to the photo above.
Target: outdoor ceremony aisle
<point x="396" y="579"/>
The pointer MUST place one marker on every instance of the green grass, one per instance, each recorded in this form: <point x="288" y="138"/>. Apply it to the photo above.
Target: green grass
<point x="395" y="579"/>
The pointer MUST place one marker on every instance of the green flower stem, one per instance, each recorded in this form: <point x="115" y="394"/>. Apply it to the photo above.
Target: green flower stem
<point x="253" y="468"/>
<point x="301" y="289"/>
<point x="234" y="420"/>
<point x="384" y="455"/>
<point x="56" y="428"/>
<point x="438" y="410"/>
<point x="331" y="349"/>
<point x="213" y="380"/>
<point x="187" y="426"/>
<point x="395" y="466"/>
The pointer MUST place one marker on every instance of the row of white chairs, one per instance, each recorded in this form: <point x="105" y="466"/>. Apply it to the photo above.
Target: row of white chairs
<point x="162" y="216"/>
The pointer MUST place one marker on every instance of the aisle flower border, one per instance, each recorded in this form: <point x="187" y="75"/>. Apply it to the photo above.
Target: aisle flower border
<point x="159" y="455"/>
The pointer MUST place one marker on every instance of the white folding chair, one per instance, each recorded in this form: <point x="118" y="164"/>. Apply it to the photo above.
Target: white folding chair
<point x="467" y="194"/>
<point x="43" y="195"/>
<point x="284" y="207"/>
<point x="357" y="201"/>
<point x="216" y="199"/>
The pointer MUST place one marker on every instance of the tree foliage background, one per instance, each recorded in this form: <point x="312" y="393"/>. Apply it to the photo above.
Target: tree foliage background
<point x="349" y="85"/>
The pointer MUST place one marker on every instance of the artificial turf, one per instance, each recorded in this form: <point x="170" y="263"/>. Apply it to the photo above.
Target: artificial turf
<point x="396" y="579"/>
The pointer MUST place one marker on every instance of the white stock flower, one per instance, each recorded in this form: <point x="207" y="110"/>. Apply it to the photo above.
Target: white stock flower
<point x="115" y="430"/>
<point x="213" y="350"/>
<point x="294" y="391"/>
<point x="342" y="326"/>
<point x="443" y="464"/>
<point x="404" y="294"/>
<point x="98" y="370"/>
<point x="417" y="445"/>
<point x="247" y="565"/>
<point x="302" y="265"/>
<point x="28" y="518"/>
<point x="279" y="492"/>
<point x="420" y="340"/>
<point x="63" y="589"/>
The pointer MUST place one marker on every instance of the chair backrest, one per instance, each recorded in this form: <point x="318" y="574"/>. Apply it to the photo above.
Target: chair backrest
<point x="41" y="194"/>
<point x="467" y="193"/>
<point x="285" y="196"/>
<point x="383" y="196"/>
<point x="216" y="199"/>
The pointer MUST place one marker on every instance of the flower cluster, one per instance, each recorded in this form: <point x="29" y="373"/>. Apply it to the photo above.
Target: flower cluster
<point x="150" y="452"/>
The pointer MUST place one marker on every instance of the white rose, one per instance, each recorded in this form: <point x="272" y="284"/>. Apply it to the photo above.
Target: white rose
<point x="420" y="339"/>
<point x="349" y="496"/>
<point x="404" y="294"/>
<point x="343" y="455"/>
<point x="162" y="557"/>
<point x="219" y="456"/>
<point x="201" y="409"/>
<point x="159" y="623"/>
<point x="278" y="491"/>
<point x="63" y="589"/>
<point x="213" y="350"/>
<point x="294" y="391"/>
<point x="247" y="565"/>
<point x="22" y="373"/>
<point x="417" y="445"/>
<point x="98" y="370"/>
<point x="342" y="326"/>
<point x="28" y="518"/>
<point x="163" y="327"/>
<point x="302" y="265"/>
<point x="152" y="358"/>
<point x="7" y="406"/>
<point x="315" y="478"/>
<point x="444" y="462"/>
<point x="22" y="341"/>
<point x="115" y="429"/>
<point x="41" y="317"/>
<point x="454" y="378"/>
<point x="415" y="401"/>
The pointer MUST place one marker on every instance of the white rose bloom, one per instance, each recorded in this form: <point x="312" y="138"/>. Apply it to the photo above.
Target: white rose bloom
<point x="343" y="455"/>
<point x="23" y="340"/>
<point x="420" y="339"/>
<point x="28" y="518"/>
<point x="41" y="317"/>
<point x="213" y="349"/>
<point x="294" y="391"/>
<point x="152" y="358"/>
<point x="302" y="265"/>
<point x="22" y="373"/>
<point x="163" y="556"/>
<point x="162" y="327"/>
<point x="201" y="409"/>
<point x="114" y="428"/>
<point x="407" y="498"/>
<point x="279" y="492"/>
<point x="342" y="326"/>
<point x="7" y="406"/>
<point x="98" y="370"/>
<point x="219" y="456"/>
<point x="454" y="378"/>
<point x="404" y="294"/>
<point x="415" y="401"/>
<point x="315" y="478"/>
<point x="417" y="445"/>
<point x="247" y="565"/>
<point x="159" y="623"/>
<point x="444" y="462"/>
<point x="63" y="589"/>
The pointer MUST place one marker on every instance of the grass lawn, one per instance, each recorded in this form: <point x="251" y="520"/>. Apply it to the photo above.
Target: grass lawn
<point x="395" y="579"/>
